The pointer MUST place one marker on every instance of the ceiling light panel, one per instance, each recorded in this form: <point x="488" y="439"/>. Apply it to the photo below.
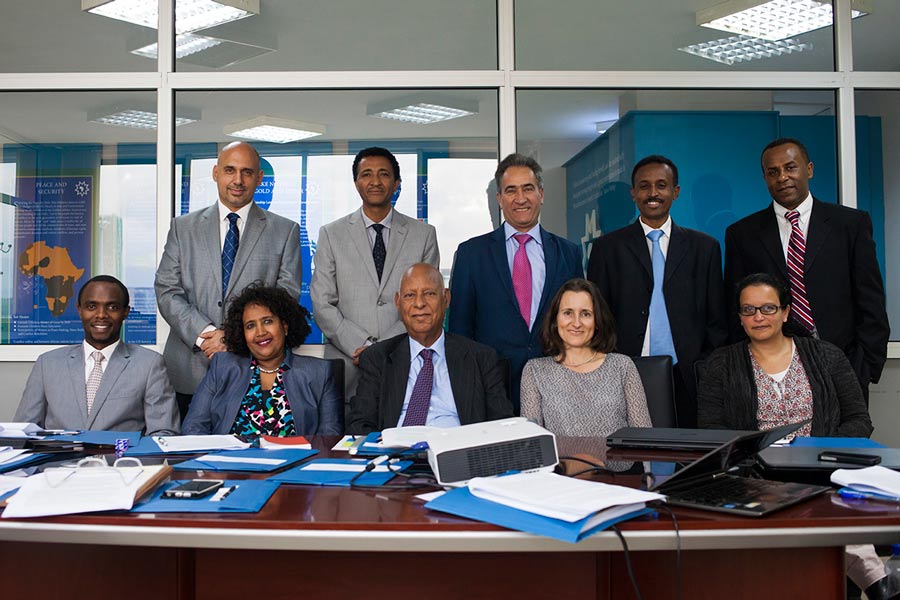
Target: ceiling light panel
<point x="190" y="15"/>
<point x="743" y="48"/>
<point x="273" y="129"/>
<point x="774" y="19"/>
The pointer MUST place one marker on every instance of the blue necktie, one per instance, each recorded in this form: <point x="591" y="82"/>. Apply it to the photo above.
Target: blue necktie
<point x="229" y="251"/>
<point x="660" y="333"/>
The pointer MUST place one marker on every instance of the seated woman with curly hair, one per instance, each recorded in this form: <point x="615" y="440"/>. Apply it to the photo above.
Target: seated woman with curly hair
<point x="260" y="387"/>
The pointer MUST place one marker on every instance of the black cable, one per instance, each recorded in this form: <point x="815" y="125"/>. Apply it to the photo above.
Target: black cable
<point x="594" y="467"/>
<point x="425" y="484"/>
<point x="672" y="516"/>
<point x="637" y="591"/>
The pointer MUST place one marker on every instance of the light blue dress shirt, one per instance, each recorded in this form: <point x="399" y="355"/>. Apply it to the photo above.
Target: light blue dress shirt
<point x="442" y="410"/>
<point x="535" y="252"/>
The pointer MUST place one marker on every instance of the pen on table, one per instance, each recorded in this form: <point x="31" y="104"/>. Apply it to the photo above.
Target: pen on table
<point x="228" y="491"/>
<point x="849" y="494"/>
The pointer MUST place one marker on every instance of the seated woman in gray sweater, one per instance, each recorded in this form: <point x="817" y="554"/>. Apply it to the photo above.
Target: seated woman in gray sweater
<point x="582" y="388"/>
<point x="773" y="379"/>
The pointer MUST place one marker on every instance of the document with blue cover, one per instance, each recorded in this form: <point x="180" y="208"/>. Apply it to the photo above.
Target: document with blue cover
<point x="339" y="471"/>
<point x="545" y="504"/>
<point x="235" y="496"/>
<point x="254" y="460"/>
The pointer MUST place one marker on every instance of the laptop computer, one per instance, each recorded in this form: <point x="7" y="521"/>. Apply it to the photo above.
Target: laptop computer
<point x="706" y="484"/>
<point x="665" y="438"/>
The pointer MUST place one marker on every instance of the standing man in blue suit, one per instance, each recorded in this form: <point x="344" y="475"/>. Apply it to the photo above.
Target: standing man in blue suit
<point x="663" y="283"/>
<point x="503" y="281"/>
<point x="211" y="255"/>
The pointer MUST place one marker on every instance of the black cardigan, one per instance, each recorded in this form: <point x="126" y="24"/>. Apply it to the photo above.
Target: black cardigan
<point x="727" y="396"/>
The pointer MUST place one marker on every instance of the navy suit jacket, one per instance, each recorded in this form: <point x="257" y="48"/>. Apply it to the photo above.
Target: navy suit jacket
<point x="483" y="305"/>
<point x="316" y="402"/>
<point x="841" y="273"/>
<point x="475" y="379"/>
<point x="692" y="286"/>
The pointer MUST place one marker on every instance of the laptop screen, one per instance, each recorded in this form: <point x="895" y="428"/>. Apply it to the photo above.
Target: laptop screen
<point x="727" y="456"/>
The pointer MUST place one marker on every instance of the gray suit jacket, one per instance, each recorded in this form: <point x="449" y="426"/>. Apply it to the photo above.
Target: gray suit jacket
<point x="189" y="279"/>
<point x="134" y="395"/>
<point x="349" y="303"/>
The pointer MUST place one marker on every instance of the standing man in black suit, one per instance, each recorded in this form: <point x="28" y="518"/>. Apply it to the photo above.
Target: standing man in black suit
<point x="826" y="252"/>
<point x="663" y="283"/>
<point x="426" y="376"/>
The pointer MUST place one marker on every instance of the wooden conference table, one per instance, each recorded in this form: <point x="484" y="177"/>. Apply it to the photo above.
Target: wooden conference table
<point x="334" y="542"/>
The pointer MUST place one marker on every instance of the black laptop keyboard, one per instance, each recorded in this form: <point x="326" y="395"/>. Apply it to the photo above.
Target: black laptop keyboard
<point x="731" y="490"/>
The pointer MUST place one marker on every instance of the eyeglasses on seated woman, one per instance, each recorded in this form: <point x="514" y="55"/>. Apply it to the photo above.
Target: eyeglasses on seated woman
<point x="260" y="387"/>
<point x="581" y="387"/>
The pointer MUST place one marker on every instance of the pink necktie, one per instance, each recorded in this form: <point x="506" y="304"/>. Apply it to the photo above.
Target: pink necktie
<point x="521" y="277"/>
<point x="796" y="255"/>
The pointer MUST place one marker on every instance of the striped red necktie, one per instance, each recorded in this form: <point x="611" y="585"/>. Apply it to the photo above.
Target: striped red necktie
<point x="796" y="254"/>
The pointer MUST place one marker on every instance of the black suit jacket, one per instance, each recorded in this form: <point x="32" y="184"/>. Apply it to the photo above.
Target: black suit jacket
<point x="475" y="378"/>
<point x="620" y="266"/>
<point x="841" y="273"/>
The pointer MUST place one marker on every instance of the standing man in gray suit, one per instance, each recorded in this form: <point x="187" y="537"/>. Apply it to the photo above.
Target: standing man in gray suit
<point x="359" y="261"/>
<point x="102" y="383"/>
<point x="210" y="256"/>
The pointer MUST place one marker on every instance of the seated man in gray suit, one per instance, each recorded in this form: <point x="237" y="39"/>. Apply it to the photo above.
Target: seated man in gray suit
<point x="427" y="376"/>
<point x="359" y="260"/>
<point x="102" y="383"/>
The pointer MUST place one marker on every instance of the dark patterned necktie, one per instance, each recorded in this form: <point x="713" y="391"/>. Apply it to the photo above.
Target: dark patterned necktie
<point x="796" y="255"/>
<point x="229" y="251"/>
<point x="379" y="252"/>
<point x="420" y="399"/>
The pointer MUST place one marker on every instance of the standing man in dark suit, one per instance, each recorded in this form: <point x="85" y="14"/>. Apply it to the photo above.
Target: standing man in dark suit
<point x="211" y="255"/>
<point x="359" y="261"/>
<point x="426" y="376"/>
<point x="663" y="283"/>
<point x="503" y="281"/>
<point x="102" y="383"/>
<point x="825" y="251"/>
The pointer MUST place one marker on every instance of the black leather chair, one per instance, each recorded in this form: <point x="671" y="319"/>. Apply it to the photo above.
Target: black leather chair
<point x="337" y="364"/>
<point x="656" y="375"/>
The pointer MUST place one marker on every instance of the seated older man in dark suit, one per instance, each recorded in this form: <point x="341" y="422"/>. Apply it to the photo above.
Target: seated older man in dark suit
<point x="426" y="376"/>
<point x="102" y="383"/>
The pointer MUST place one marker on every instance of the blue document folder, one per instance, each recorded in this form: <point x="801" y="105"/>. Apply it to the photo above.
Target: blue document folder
<point x="249" y="496"/>
<point x="316" y="472"/>
<point x="370" y="446"/>
<point x="25" y="460"/>
<point x="462" y="503"/>
<point x="835" y="442"/>
<point x="291" y="456"/>
<point x="103" y="438"/>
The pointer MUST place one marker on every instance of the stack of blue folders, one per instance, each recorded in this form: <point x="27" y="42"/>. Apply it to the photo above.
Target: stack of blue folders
<point x="339" y="471"/>
<point x="240" y="496"/>
<point x="545" y="504"/>
<point x="254" y="460"/>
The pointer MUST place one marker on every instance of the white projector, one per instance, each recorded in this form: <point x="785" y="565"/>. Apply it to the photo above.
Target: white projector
<point x="457" y="454"/>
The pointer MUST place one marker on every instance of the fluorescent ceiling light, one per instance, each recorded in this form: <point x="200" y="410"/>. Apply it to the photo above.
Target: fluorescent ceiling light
<point x="743" y="48"/>
<point x="185" y="45"/>
<point x="273" y="129"/>
<point x="773" y="19"/>
<point x="138" y="118"/>
<point x="422" y="110"/>
<point x="190" y="15"/>
<point x="603" y="126"/>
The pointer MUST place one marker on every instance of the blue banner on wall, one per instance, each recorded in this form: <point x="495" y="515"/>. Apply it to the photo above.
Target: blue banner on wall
<point x="53" y="253"/>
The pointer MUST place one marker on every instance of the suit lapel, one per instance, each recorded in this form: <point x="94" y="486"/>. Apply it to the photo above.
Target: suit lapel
<point x="396" y="376"/>
<point x="678" y="244"/>
<point x="360" y="238"/>
<point x="117" y="364"/>
<point x="79" y="390"/>
<point x="501" y="265"/>
<point x="253" y="230"/>
<point x="461" y="382"/>
<point x="551" y="267"/>
<point x="818" y="231"/>
<point x="213" y="245"/>
<point x="771" y="241"/>
<point x="637" y="245"/>
<point x="395" y="244"/>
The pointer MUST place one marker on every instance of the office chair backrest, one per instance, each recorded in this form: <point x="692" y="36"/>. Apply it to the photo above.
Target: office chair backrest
<point x="337" y="365"/>
<point x="656" y="375"/>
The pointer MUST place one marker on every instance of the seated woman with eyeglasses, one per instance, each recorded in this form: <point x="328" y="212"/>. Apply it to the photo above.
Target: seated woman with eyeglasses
<point x="260" y="387"/>
<point x="582" y="388"/>
<point x="774" y="379"/>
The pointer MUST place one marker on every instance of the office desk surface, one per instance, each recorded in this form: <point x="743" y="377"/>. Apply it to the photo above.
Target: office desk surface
<point x="377" y="527"/>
